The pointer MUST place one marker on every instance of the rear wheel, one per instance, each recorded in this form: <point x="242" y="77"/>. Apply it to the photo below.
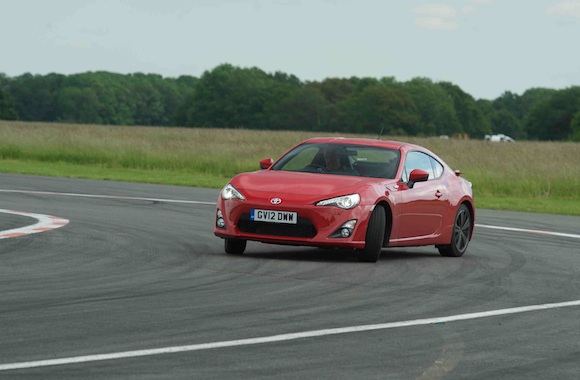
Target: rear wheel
<point x="235" y="246"/>
<point x="460" y="236"/>
<point x="374" y="237"/>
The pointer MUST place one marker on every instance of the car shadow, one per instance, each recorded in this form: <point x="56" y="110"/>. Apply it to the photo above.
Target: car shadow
<point x="338" y="255"/>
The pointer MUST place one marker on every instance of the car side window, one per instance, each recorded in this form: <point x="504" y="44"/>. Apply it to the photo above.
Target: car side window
<point x="437" y="168"/>
<point x="418" y="160"/>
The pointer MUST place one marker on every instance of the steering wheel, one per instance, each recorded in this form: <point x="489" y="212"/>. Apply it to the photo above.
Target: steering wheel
<point x="316" y="167"/>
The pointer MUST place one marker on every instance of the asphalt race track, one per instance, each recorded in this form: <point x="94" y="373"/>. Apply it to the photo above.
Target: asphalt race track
<point x="135" y="286"/>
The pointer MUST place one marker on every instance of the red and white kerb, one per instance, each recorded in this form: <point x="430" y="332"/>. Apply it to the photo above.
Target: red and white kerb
<point x="44" y="223"/>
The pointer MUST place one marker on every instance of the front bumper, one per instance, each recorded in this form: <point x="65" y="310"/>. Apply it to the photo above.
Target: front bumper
<point x="317" y="225"/>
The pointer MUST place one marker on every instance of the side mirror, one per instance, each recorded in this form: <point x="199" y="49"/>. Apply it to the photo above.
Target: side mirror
<point x="417" y="175"/>
<point x="266" y="163"/>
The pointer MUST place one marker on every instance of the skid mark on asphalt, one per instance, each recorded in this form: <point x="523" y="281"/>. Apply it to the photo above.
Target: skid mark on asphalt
<point x="44" y="223"/>
<point x="282" y="337"/>
<point x="50" y="222"/>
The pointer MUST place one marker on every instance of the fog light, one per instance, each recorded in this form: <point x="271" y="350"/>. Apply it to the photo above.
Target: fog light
<point x="220" y="222"/>
<point x="345" y="232"/>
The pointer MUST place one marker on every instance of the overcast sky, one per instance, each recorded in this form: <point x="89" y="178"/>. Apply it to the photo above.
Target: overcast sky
<point x="486" y="47"/>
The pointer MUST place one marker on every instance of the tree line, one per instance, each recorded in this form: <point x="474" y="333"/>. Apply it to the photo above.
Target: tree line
<point x="234" y="97"/>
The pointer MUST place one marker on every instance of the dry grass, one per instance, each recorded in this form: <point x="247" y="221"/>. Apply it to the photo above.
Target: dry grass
<point x="531" y="169"/>
<point x="523" y="169"/>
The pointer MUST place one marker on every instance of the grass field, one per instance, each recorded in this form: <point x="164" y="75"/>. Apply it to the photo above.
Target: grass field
<point x="525" y="176"/>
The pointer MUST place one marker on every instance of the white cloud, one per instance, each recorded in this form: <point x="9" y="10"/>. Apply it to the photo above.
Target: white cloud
<point x="481" y="1"/>
<point x="436" y="16"/>
<point x="468" y="10"/>
<point x="435" y="23"/>
<point x="435" y="10"/>
<point x="75" y="44"/>
<point x="566" y="8"/>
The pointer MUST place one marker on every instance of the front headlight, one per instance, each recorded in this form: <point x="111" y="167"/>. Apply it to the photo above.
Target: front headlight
<point x="230" y="192"/>
<point x="346" y="202"/>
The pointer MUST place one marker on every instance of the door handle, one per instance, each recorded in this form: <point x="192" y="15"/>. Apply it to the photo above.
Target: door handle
<point x="438" y="194"/>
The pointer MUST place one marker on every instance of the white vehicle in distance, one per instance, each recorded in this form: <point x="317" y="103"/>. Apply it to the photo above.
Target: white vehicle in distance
<point x="498" y="138"/>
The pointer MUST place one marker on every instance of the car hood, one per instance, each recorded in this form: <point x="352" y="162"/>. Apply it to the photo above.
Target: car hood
<point x="305" y="187"/>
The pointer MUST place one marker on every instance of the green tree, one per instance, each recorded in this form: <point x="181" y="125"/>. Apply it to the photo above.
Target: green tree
<point x="303" y="110"/>
<point x="470" y="116"/>
<point x="551" y="119"/>
<point x="335" y="91"/>
<point x="533" y="96"/>
<point x="116" y="100"/>
<point x="148" y="106"/>
<point x="185" y="85"/>
<point x="377" y="108"/>
<point x="511" y="103"/>
<point x="436" y="107"/>
<point x="230" y="96"/>
<point x="519" y="107"/>
<point x="104" y="97"/>
<point x="78" y="105"/>
<point x="34" y="96"/>
<point x="6" y="105"/>
<point x="505" y="122"/>
<point x="360" y="84"/>
<point x="575" y="124"/>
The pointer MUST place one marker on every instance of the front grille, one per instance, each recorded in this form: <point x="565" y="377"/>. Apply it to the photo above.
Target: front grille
<point x="303" y="229"/>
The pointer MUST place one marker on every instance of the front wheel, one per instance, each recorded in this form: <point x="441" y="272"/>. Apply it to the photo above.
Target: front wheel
<point x="374" y="237"/>
<point x="235" y="246"/>
<point x="460" y="236"/>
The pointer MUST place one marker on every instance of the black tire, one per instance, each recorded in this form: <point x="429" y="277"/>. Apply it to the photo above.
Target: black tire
<point x="374" y="237"/>
<point x="235" y="246"/>
<point x="460" y="235"/>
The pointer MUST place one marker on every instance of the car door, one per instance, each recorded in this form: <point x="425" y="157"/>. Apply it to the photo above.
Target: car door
<point x="423" y="203"/>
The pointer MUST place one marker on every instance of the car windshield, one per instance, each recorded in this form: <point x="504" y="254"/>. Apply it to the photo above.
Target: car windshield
<point x="341" y="159"/>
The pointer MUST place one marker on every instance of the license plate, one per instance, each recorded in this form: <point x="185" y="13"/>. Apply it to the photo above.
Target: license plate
<point x="273" y="216"/>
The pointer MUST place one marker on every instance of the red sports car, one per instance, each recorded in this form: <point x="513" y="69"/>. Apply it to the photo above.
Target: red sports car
<point x="349" y="193"/>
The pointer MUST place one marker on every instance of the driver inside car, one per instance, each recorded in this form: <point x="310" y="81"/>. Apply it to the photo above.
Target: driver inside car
<point x="335" y="163"/>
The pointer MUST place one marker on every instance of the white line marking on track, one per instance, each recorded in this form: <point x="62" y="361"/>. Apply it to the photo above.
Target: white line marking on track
<point x="213" y="204"/>
<point x="107" y="197"/>
<point x="529" y="231"/>
<point x="282" y="337"/>
<point x="45" y="223"/>
<point x="54" y="222"/>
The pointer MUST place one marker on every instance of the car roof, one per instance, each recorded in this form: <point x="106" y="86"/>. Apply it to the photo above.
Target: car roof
<point x="390" y="144"/>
